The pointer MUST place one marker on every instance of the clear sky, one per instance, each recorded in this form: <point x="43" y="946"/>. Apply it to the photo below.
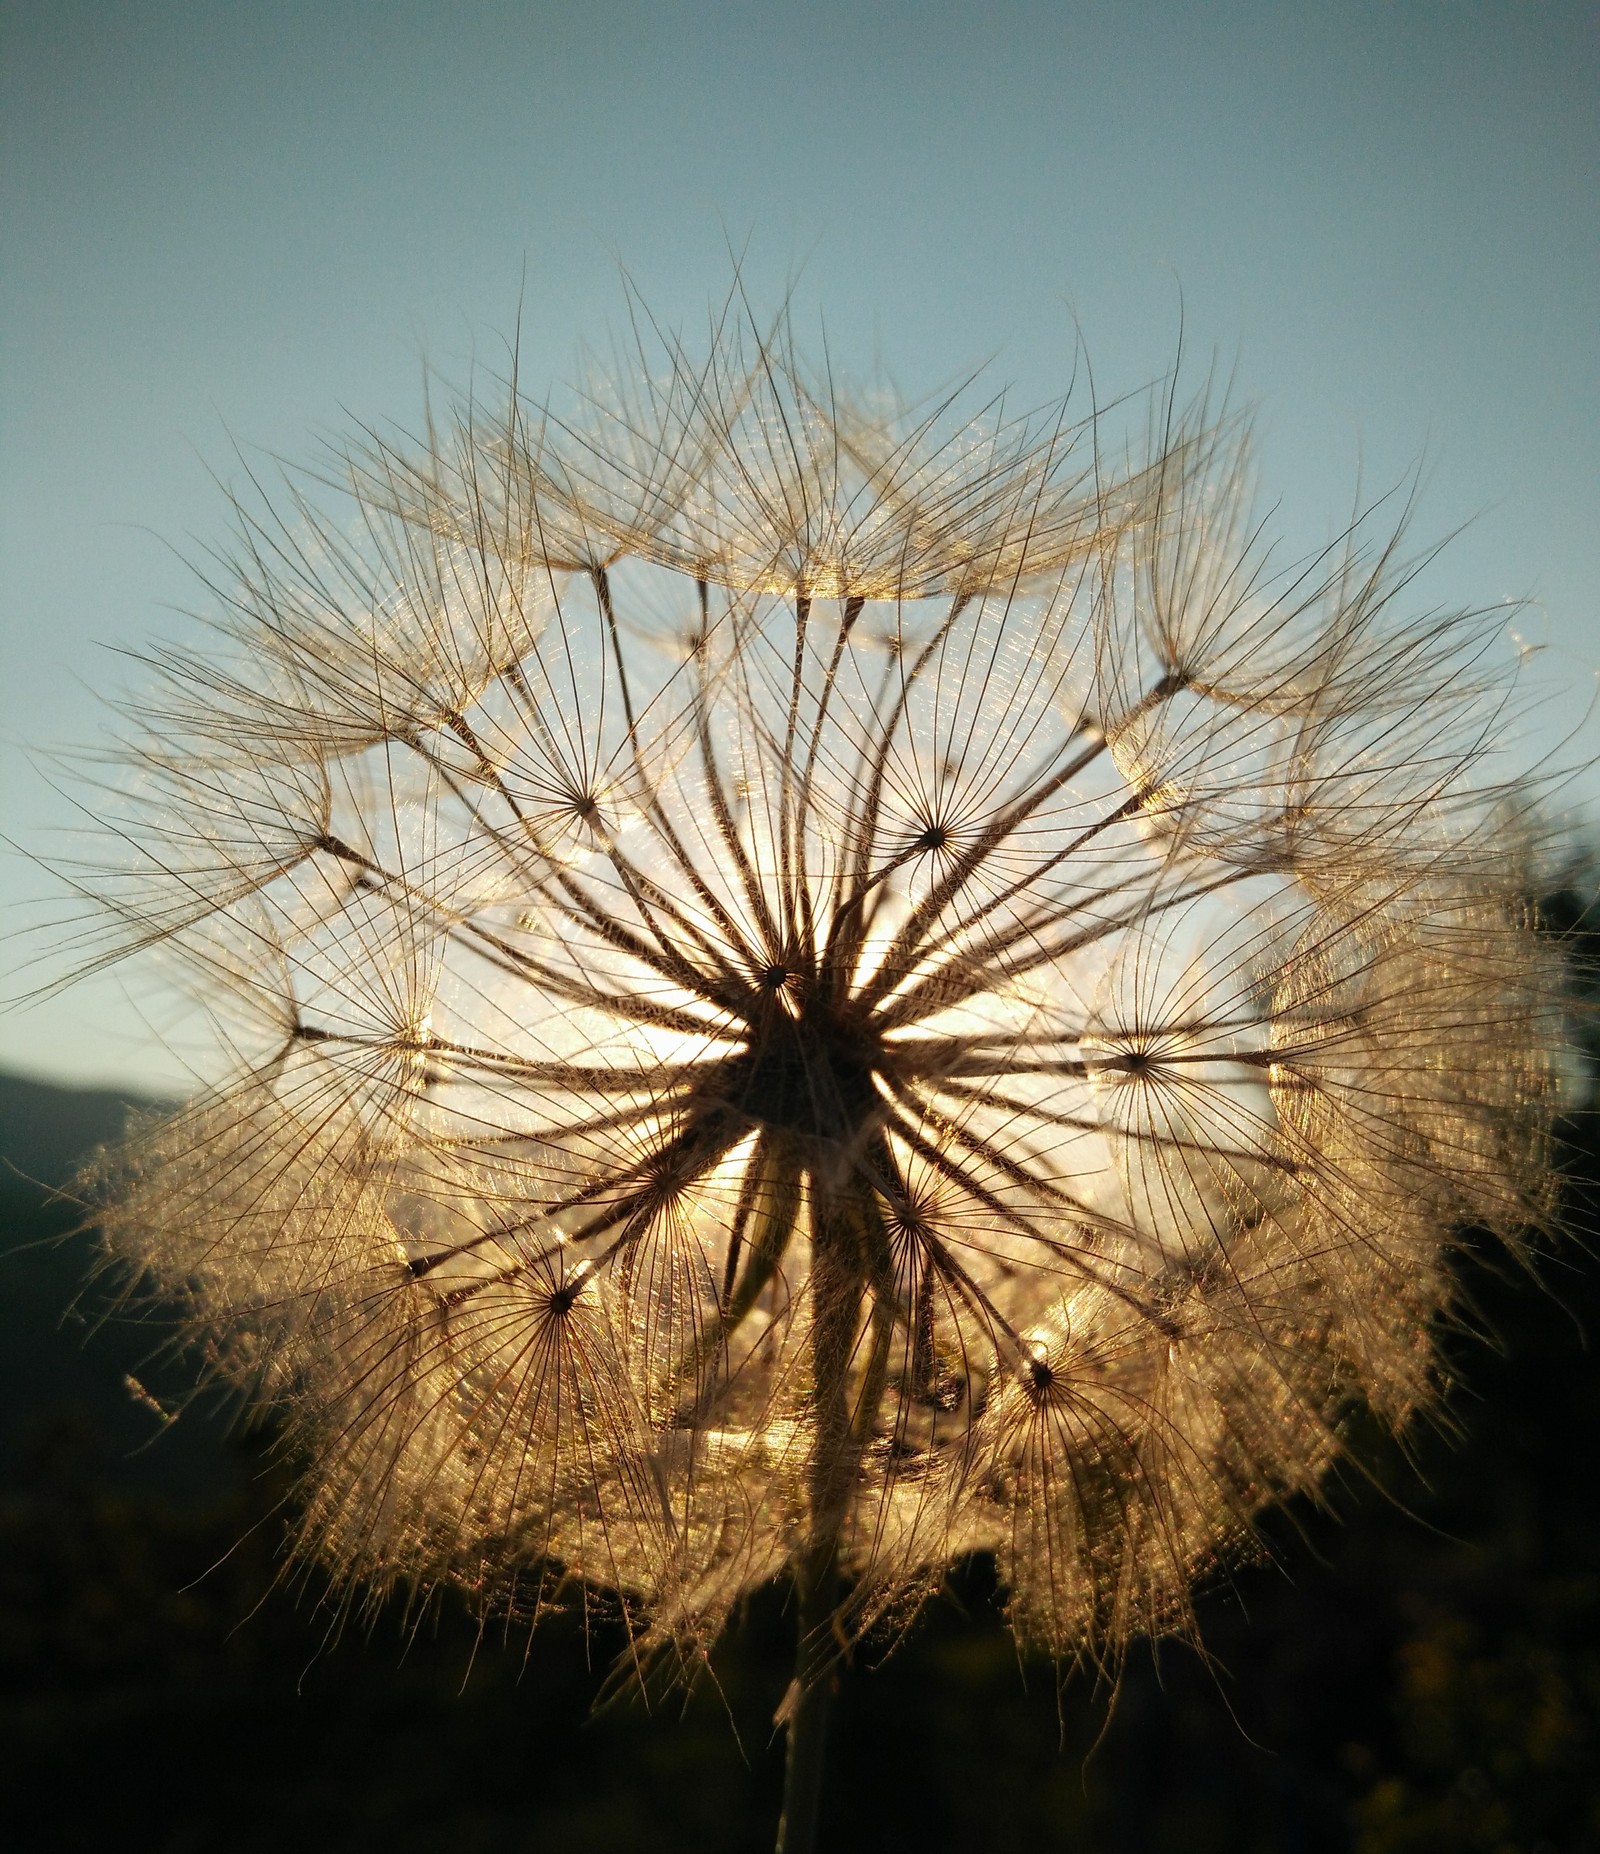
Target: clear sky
<point x="228" y="223"/>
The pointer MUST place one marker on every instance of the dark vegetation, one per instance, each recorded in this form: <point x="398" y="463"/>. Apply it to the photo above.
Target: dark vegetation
<point x="1419" y="1671"/>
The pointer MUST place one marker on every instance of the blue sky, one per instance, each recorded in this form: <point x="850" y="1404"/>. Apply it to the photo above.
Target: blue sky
<point x="248" y="225"/>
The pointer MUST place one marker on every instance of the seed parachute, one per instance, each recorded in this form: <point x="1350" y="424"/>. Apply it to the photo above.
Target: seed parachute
<point x="798" y="989"/>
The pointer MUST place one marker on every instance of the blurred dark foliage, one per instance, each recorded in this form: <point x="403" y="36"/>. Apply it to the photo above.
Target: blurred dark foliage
<point x="1417" y="1668"/>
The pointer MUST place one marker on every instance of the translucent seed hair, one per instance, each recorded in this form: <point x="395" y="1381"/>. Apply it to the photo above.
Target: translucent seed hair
<point x="803" y="987"/>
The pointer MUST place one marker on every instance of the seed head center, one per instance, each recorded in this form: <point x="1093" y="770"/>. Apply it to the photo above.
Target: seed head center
<point x="808" y="1073"/>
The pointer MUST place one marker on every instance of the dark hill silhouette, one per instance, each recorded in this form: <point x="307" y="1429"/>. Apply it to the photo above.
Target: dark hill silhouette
<point x="46" y="1132"/>
<point x="69" y="1360"/>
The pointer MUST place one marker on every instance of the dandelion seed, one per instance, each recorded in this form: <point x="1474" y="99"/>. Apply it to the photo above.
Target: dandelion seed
<point x="804" y="993"/>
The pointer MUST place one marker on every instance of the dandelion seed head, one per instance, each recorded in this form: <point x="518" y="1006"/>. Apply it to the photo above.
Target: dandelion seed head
<point x="788" y="976"/>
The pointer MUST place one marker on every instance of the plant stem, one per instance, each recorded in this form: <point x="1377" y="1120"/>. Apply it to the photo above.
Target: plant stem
<point x="810" y="1703"/>
<point x="836" y="1226"/>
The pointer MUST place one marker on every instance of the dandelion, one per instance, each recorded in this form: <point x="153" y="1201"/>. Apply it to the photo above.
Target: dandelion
<point x="801" y="990"/>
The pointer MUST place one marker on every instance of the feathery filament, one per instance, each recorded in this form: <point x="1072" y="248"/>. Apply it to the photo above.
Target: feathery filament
<point x="803" y="987"/>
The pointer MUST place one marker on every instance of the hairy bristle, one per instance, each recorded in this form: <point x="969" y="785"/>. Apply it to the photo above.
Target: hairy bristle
<point x="791" y="978"/>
